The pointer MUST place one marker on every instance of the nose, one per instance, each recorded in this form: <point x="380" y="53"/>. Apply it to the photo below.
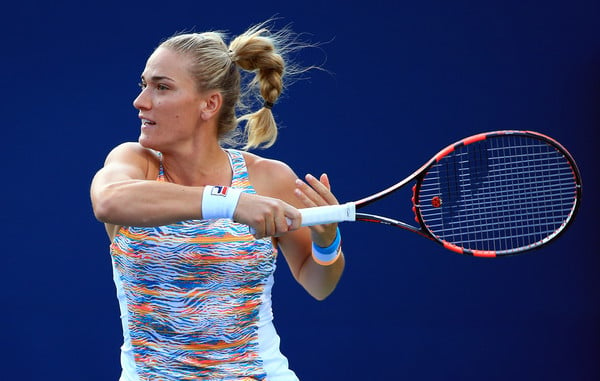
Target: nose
<point x="142" y="101"/>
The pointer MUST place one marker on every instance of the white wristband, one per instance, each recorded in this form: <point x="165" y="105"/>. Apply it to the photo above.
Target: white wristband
<point x="219" y="202"/>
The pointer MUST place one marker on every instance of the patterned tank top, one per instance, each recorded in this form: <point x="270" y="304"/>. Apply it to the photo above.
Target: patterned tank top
<point x="195" y="299"/>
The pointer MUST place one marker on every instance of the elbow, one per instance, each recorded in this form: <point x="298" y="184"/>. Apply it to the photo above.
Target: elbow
<point x="104" y="207"/>
<point x="320" y="298"/>
<point x="102" y="210"/>
<point x="322" y="294"/>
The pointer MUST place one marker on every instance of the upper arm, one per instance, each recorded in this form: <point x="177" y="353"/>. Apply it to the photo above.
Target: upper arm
<point x="128" y="161"/>
<point x="276" y="179"/>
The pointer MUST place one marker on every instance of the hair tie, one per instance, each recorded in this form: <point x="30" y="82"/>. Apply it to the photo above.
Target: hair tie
<point x="232" y="56"/>
<point x="268" y="105"/>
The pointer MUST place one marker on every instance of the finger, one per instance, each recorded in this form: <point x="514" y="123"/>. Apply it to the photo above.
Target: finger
<point x="322" y="188"/>
<point x="259" y="231"/>
<point x="271" y="226"/>
<point x="301" y="192"/>
<point x="280" y="225"/>
<point x="293" y="218"/>
<point x="255" y="233"/>
<point x="309" y="197"/>
<point x="325" y="181"/>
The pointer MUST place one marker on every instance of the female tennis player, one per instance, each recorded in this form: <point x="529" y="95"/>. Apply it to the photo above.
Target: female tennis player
<point x="195" y="227"/>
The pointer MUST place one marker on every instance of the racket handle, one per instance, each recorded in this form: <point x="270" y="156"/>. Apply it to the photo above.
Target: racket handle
<point x="328" y="214"/>
<point x="324" y="215"/>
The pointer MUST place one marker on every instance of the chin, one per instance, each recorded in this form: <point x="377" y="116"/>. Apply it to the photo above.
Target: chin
<point x="146" y="142"/>
<point x="152" y="144"/>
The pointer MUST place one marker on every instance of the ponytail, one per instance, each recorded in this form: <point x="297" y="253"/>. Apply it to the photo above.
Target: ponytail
<point x="255" y="51"/>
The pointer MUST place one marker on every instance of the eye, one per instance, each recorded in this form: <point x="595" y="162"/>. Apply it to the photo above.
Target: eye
<point x="161" y="86"/>
<point x="142" y="85"/>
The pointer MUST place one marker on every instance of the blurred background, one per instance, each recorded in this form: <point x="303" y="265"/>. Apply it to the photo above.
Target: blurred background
<point x="402" y="80"/>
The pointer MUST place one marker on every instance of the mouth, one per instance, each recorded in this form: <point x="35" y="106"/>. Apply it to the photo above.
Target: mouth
<point x="147" y="122"/>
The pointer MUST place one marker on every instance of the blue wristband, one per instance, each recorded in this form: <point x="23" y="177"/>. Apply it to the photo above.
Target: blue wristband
<point x="328" y="255"/>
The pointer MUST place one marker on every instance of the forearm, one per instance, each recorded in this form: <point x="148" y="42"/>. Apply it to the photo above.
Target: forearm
<point x="318" y="280"/>
<point x="146" y="203"/>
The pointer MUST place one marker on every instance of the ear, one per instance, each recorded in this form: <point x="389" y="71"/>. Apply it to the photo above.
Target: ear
<point x="210" y="105"/>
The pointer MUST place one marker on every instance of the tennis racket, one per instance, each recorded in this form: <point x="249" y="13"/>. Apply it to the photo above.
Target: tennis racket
<point x="492" y="194"/>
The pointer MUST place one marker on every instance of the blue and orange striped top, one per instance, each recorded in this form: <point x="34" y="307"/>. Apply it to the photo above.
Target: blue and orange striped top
<point x="195" y="299"/>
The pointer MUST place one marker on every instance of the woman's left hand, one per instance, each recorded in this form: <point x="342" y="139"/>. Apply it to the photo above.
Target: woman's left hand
<point x="317" y="192"/>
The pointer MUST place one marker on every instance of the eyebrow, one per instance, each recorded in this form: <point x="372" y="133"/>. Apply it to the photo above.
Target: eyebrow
<point x="158" y="78"/>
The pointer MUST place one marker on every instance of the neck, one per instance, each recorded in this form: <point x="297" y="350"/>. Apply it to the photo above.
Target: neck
<point x="207" y="164"/>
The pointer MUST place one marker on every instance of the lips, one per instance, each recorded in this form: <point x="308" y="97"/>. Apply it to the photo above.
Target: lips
<point x="146" y="121"/>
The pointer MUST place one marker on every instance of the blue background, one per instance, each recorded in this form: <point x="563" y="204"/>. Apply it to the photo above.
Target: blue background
<point x="405" y="79"/>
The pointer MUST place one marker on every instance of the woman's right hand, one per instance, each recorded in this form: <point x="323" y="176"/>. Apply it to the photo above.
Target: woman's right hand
<point x="267" y="216"/>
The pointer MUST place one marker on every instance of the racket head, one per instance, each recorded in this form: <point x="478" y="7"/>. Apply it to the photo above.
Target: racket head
<point x="498" y="193"/>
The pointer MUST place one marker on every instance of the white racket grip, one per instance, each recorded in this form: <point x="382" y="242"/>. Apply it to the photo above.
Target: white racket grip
<point x="324" y="215"/>
<point x="328" y="214"/>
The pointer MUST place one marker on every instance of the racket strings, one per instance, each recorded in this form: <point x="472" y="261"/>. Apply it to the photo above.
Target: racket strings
<point x="499" y="194"/>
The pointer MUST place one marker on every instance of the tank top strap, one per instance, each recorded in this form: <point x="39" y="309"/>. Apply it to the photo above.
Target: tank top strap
<point x="161" y="169"/>
<point x="238" y="167"/>
<point x="240" y="171"/>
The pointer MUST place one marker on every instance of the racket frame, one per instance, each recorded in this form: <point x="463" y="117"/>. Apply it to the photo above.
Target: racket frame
<point x="420" y="173"/>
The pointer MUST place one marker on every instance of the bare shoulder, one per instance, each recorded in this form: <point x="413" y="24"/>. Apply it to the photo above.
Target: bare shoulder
<point x="270" y="177"/>
<point x="132" y="151"/>
<point x="133" y="155"/>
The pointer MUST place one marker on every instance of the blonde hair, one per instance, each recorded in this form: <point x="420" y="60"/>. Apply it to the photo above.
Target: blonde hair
<point x="214" y="65"/>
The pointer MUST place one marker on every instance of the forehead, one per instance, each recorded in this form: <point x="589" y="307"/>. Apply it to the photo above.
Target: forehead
<point x="167" y="63"/>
